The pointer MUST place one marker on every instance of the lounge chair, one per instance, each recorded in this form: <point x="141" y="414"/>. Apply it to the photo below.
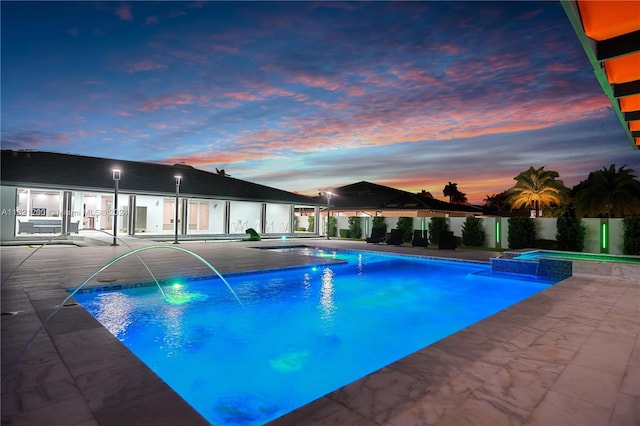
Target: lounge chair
<point x="419" y="238"/>
<point x="377" y="235"/>
<point x="447" y="241"/>
<point x="395" y="239"/>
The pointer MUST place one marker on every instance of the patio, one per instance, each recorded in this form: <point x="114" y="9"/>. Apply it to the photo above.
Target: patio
<point x="567" y="356"/>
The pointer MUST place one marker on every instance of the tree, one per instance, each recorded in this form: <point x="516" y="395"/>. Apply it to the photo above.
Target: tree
<point x="472" y="232"/>
<point x="455" y="196"/>
<point x="608" y="192"/>
<point x="496" y="204"/>
<point x="537" y="188"/>
<point x="424" y="193"/>
<point x="405" y="224"/>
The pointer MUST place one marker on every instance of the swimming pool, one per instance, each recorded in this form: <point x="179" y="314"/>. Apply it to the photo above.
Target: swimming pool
<point x="569" y="255"/>
<point x="300" y="333"/>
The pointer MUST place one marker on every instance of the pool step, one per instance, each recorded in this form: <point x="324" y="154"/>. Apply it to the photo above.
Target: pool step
<point x="545" y="268"/>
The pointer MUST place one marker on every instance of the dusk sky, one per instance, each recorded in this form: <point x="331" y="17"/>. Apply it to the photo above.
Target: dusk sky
<point x="305" y="96"/>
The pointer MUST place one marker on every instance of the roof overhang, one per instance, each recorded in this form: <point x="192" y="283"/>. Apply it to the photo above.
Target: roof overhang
<point x="609" y="32"/>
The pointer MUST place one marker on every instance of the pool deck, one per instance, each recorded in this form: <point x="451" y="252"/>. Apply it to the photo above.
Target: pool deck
<point x="569" y="355"/>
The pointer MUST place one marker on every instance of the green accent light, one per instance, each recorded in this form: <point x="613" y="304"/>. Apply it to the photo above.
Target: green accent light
<point x="603" y="234"/>
<point x="498" y="231"/>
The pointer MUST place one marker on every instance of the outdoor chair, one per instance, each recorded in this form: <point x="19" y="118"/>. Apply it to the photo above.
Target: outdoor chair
<point x="377" y="235"/>
<point x="447" y="241"/>
<point x="395" y="238"/>
<point x="419" y="238"/>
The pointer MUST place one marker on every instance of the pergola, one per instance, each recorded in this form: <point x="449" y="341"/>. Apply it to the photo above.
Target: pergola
<point x="609" y="32"/>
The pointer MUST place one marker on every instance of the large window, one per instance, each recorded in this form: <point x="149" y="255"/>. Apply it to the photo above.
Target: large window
<point x="39" y="203"/>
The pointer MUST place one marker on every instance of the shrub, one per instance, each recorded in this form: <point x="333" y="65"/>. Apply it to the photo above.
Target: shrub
<point x="436" y="226"/>
<point x="355" y="230"/>
<point x="522" y="232"/>
<point x="405" y="224"/>
<point x="344" y="233"/>
<point x="570" y="233"/>
<point x="631" y="235"/>
<point x="472" y="232"/>
<point x="379" y="222"/>
<point x="332" y="224"/>
<point x="312" y="224"/>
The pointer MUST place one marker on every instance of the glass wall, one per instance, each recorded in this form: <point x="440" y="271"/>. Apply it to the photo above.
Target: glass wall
<point x="41" y="211"/>
<point x="278" y="219"/>
<point x="244" y="215"/>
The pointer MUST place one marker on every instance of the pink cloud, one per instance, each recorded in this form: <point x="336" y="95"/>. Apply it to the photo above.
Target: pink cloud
<point x="124" y="12"/>
<point x="316" y="81"/>
<point x="144" y="65"/>
<point x="561" y="68"/>
<point x="168" y="101"/>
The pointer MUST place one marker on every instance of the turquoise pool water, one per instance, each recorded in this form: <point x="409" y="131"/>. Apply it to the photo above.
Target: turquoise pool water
<point x="301" y="333"/>
<point x="536" y="254"/>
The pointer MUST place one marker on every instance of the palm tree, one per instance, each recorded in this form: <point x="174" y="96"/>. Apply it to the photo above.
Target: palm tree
<point x="496" y="203"/>
<point x="608" y="192"/>
<point x="455" y="196"/>
<point x="537" y="188"/>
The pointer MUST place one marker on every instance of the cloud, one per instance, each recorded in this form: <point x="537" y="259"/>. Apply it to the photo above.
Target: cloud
<point x="169" y="101"/>
<point x="124" y="12"/>
<point x="144" y="65"/>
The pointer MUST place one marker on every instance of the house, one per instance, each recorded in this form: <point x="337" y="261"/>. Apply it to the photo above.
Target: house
<point x="368" y="199"/>
<point x="45" y="193"/>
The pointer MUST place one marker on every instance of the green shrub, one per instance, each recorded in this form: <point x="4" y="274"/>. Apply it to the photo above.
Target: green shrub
<point x="344" y="233"/>
<point x="332" y="223"/>
<point x="355" y="230"/>
<point x="379" y="222"/>
<point x="405" y="224"/>
<point x="472" y="232"/>
<point x="436" y="226"/>
<point x="312" y="224"/>
<point x="570" y="233"/>
<point x="296" y="221"/>
<point x="631" y="235"/>
<point x="522" y="232"/>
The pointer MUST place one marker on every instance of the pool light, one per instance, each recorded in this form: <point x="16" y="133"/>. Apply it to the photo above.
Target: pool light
<point x="604" y="237"/>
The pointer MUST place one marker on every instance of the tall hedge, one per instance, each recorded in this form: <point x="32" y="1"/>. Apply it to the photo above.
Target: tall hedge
<point x="570" y="233"/>
<point x="631" y="235"/>
<point x="522" y="232"/>
<point x="332" y="224"/>
<point x="355" y="229"/>
<point x="405" y="224"/>
<point x="312" y="224"/>
<point x="472" y="232"/>
<point x="436" y="226"/>
<point x="379" y="222"/>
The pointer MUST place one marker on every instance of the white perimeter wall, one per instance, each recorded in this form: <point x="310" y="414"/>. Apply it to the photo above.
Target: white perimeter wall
<point x="545" y="230"/>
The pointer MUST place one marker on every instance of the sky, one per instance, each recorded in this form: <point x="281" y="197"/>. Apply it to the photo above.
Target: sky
<point x="310" y="96"/>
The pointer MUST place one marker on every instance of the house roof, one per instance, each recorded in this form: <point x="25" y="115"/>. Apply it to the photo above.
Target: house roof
<point x="370" y="196"/>
<point x="609" y="32"/>
<point x="52" y="170"/>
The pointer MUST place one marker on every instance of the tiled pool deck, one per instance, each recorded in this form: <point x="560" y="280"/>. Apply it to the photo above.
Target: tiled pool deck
<point x="567" y="356"/>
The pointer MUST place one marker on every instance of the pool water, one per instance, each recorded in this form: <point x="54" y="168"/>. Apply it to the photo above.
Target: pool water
<point x="300" y="333"/>
<point x="537" y="254"/>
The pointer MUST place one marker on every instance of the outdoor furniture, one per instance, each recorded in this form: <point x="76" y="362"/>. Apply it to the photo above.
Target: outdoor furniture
<point x="419" y="238"/>
<point x="447" y="241"/>
<point x="25" y="227"/>
<point x="395" y="238"/>
<point x="40" y="226"/>
<point x="377" y="235"/>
